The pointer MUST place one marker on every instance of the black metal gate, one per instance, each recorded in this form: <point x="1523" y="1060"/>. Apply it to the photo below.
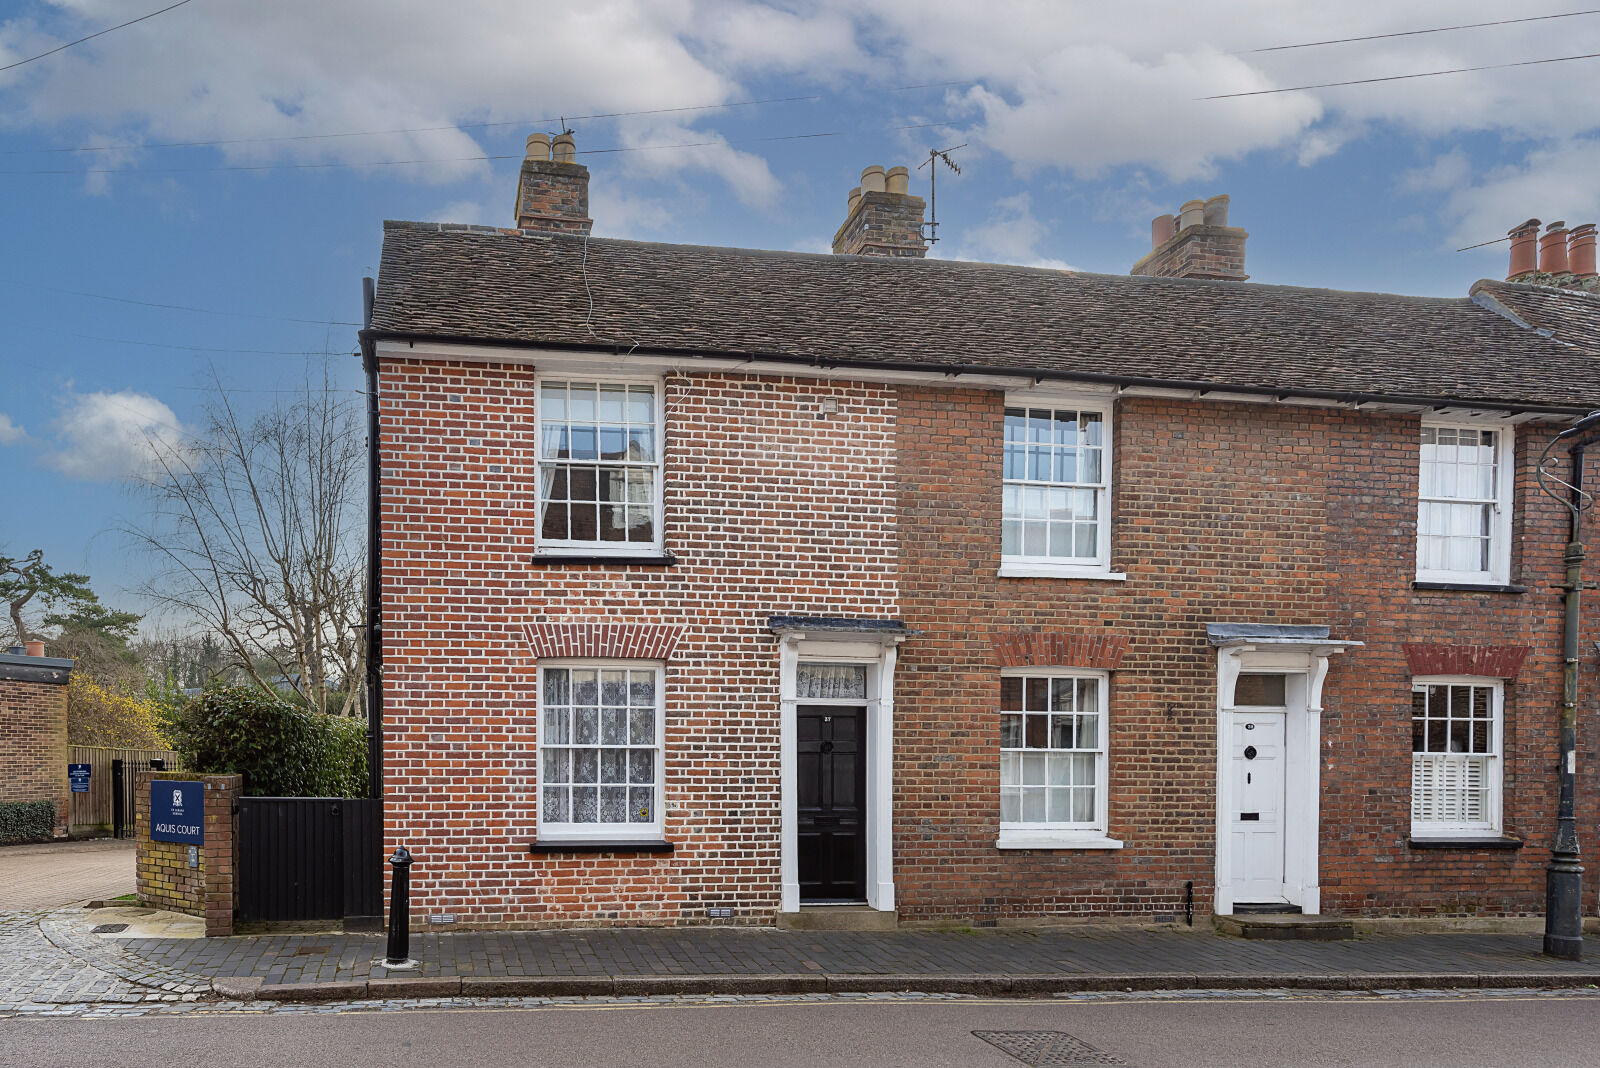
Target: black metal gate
<point x="311" y="858"/>
<point x="124" y="780"/>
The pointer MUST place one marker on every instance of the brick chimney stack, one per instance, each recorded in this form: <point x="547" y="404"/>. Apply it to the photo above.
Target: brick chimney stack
<point x="1197" y="243"/>
<point x="553" y="190"/>
<point x="1562" y="258"/>
<point x="884" y="219"/>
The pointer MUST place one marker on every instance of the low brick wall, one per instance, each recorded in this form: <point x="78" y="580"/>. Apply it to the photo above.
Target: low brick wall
<point x="166" y="879"/>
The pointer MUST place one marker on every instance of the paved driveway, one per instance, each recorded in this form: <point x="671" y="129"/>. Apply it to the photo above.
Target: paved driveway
<point x="64" y="873"/>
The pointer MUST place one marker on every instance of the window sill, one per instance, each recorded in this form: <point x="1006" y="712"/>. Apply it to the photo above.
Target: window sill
<point x="1468" y="587"/>
<point x="1462" y="843"/>
<point x="587" y="558"/>
<point x="1059" y="840"/>
<point x="596" y="846"/>
<point x="1058" y="571"/>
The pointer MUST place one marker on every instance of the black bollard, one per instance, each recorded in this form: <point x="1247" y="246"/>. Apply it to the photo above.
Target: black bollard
<point x="400" y="909"/>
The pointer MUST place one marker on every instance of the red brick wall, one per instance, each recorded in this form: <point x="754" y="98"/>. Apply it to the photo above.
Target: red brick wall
<point x="33" y="745"/>
<point x="773" y="510"/>
<point x="1223" y="513"/>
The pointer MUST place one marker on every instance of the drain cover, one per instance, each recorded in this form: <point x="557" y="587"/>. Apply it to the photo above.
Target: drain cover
<point x="110" y="928"/>
<point x="1046" y="1049"/>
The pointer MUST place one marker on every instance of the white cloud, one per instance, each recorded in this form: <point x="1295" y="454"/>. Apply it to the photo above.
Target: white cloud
<point x="105" y="436"/>
<point x="617" y="214"/>
<point x="1555" y="181"/>
<point x="10" y="433"/>
<point x="474" y="213"/>
<point x="1011" y="234"/>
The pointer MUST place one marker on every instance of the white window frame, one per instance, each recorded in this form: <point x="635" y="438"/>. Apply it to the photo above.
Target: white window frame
<point x="1499" y="570"/>
<point x="553" y="547"/>
<point x="1023" y="566"/>
<point x="604" y="832"/>
<point x="1068" y="835"/>
<point x="1493" y="827"/>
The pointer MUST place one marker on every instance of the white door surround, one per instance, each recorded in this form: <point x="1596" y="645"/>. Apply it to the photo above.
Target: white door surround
<point x="875" y="646"/>
<point x="1301" y="654"/>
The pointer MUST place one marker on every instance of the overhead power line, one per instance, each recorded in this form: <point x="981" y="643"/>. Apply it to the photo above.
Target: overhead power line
<point x="332" y="165"/>
<point x="92" y="36"/>
<point x="1403" y="77"/>
<point x="175" y="307"/>
<point x="406" y="129"/>
<point x="1416" y="33"/>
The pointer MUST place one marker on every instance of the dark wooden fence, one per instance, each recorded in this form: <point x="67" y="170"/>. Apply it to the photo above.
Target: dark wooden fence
<point x="310" y="858"/>
<point x="93" y="812"/>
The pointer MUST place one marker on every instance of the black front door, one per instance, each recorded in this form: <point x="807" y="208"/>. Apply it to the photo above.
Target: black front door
<point x="831" y="768"/>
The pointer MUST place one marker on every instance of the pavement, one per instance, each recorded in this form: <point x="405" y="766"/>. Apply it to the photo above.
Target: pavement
<point x="73" y="958"/>
<point x="59" y="873"/>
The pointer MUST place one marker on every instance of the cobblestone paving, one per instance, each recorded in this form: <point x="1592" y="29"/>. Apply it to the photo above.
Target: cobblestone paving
<point x="48" y="961"/>
<point x="727" y="951"/>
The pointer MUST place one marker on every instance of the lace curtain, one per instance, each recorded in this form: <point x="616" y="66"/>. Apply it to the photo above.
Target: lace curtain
<point x="816" y="681"/>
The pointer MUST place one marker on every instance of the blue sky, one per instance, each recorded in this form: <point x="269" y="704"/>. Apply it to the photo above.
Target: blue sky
<point x="1081" y="122"/>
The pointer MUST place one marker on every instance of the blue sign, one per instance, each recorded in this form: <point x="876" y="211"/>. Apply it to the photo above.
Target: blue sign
<point x="78" y="775"/>
<point x="177" y="811"/>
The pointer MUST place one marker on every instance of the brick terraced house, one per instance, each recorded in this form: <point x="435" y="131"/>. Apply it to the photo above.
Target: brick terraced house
<point x="718" y="584"/>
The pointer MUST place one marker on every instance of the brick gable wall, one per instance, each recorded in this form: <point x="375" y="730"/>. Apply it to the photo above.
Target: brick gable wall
<point x="773" y="510"/>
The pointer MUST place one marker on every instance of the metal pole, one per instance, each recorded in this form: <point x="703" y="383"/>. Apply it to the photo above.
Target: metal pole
<point x="1563" y="882"/>
<point x="400" y="909"/>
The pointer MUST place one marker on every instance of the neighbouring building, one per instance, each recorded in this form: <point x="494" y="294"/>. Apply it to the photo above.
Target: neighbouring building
<point x="33" y="743"/>
<point x="717" y="583"/>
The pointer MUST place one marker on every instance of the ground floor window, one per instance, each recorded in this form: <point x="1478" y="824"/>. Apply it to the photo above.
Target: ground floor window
<point x="1052" y="752"/>
<point x="1455" y="757"/>
<point x="600" y="750"/>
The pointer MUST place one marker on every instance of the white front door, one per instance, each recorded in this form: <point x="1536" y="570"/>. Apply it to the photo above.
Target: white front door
<point x="1256" y="818"/>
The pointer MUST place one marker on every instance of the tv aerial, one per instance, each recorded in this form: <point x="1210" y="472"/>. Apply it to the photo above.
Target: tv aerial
<point x="936" y="155"/>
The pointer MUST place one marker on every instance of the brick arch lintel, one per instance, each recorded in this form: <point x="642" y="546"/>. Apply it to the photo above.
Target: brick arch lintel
<point x="1485" y="661"/>
<point x="608" y="640"/>
<point x="1061" y="648"/>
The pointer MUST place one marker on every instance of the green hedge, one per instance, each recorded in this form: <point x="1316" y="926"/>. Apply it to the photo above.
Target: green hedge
<point x="281" y="749"/>
<point x="26" y="821"/>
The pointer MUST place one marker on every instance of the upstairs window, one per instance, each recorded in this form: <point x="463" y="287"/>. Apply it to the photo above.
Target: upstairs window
<point x="1455" y="758"/>
<point x="1464" y="505"/>
<point x="1055" y="511"/>
<point x="599" y="467"/>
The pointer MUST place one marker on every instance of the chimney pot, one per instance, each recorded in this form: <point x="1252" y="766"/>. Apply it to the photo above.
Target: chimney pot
<point x="1199" y="243"/>
<point x="1215" y="212"/>
<point x="1524" y="249"/>
<point x="882" y="225"/>
<point x="35" y="648"/>
<point x="553" y="189"/>
<point x="1580" y="251"/>
<point x="1162" y="230"/>
<point x="1553" y="249"/>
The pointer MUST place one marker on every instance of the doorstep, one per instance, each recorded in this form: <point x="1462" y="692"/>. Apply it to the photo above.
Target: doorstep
<point x="1285" y="927"/>
<point x="838" y="918"/>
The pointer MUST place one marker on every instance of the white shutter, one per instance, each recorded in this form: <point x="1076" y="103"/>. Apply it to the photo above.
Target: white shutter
<point x="1450" y="792"/>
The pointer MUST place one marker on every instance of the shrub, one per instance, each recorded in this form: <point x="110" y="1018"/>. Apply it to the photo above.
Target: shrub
<point x="281" y="749"/>
<point x="26" y="821"/>
<point x="101" y="715"/>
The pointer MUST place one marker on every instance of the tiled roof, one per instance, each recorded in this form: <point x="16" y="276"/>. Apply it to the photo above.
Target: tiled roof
<point x="494" y="286"/>
<point x="1567" y="316"/>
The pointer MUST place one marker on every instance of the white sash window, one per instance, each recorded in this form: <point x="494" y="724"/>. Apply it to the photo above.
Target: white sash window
<point x="1464" y="504"/>
<point x="1455" y="757"/>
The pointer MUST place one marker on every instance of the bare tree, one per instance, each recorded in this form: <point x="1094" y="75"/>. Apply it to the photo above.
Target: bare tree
<point x="259" y="524"/>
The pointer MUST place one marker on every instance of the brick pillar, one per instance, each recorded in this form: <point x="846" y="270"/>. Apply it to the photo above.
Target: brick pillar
<point x="166" y="881"/>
